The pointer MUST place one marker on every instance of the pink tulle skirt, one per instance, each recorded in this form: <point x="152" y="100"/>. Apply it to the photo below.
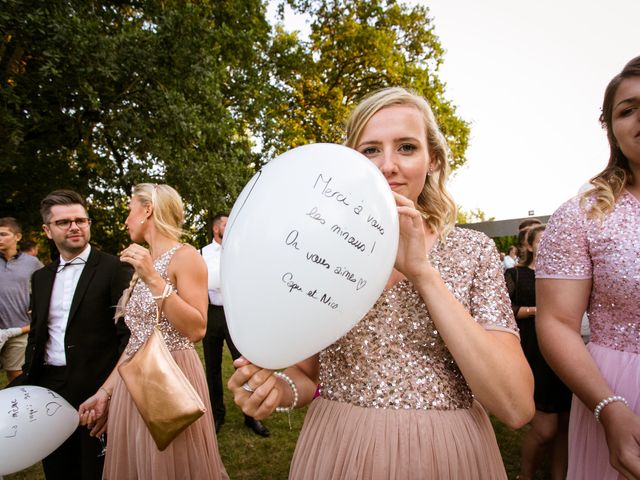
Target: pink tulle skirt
<point x="132" y="453"/>
<point x="343" y="441"/>
<point x="588" y="451"/>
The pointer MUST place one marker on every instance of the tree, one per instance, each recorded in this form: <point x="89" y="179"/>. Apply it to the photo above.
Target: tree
<point x="98" y="96"/>
<point x="354" y="48"/>
<point x="503" y="243"/>
<point x="472" y="216"/>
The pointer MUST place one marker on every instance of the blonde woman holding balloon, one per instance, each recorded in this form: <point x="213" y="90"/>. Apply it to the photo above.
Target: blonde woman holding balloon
<point x="402" y="393"/>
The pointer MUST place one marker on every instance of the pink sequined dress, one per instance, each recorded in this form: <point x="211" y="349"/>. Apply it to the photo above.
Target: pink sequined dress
<point x="393" y="403"/>
<point x="608" y="253"/>
<point x="131" y="452"/>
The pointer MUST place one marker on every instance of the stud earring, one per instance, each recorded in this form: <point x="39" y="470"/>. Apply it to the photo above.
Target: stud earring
<point x="142" y="221"/>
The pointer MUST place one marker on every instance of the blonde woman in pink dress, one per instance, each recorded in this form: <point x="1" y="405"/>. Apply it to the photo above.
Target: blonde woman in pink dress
<point x="402" y="393"/>
<point x="167" y="266"/>
<point x="589" y="259"/>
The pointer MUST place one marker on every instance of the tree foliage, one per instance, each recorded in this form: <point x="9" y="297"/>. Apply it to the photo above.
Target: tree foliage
<point x="354" y="48"/>
<point x="503" y="243"/>
<point x="100" y="95"/>
<point x="472" y="216"/>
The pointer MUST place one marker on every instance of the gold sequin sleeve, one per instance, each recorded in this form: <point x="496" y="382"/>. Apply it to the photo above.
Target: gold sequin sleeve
<point x="564" y="249"/>
<point x="489" y="301"/>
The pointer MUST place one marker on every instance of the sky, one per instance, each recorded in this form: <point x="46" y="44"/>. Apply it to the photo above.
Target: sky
<point x="529" y="77"/>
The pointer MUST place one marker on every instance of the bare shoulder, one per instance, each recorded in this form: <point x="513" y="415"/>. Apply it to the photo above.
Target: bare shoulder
<point x="186" y="251"/>
<point x="186" y="257"/>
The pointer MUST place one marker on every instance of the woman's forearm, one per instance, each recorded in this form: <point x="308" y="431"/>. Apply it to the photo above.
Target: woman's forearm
<point x="492" y="362"/>
<point x="566" y="353"/>
<point x="561" y="304"/>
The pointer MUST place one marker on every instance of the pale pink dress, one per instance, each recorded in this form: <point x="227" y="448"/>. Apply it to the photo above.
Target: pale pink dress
<point x="608" y="253"/>
<point x="393" y="403"/>
<point x="131" y="451"/>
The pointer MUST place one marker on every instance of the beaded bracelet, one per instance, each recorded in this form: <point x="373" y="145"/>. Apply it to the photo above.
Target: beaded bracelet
<point x="603" y="403"/>
<point x="294" y="390"/>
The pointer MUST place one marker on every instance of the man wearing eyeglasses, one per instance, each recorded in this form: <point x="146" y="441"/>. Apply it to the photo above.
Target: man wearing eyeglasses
<point x="74" y="342"/>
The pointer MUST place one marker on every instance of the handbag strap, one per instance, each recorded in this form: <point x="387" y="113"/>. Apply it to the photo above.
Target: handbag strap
<point x="166" y="293"/>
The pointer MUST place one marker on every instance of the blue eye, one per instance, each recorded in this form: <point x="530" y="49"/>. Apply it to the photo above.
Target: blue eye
<point x="368" y="151"/>
<point x="407" y="148"/>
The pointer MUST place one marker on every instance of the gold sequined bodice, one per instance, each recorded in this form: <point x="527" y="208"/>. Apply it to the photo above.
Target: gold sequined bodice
<point x="395" y="358"/>
<point x="140" y="312"/>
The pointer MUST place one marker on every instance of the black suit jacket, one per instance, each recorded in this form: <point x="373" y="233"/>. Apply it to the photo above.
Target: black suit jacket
<point x="93" y="341"/>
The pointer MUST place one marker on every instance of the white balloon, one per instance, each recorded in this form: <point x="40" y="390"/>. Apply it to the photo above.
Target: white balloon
<point x="34" y="421"/>
<point x="308" y="248"/>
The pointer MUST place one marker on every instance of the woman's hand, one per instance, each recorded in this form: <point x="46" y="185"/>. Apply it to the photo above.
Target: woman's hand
<point x="414" y="241"/>
<point x="99" y="427"/>
<point x="139" y="258"/>
<point x="93" y="412"/>
<point x="622" y="429"/>
<point x="264" y="398"/>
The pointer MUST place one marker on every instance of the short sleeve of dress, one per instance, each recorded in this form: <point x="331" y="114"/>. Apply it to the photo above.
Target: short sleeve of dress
<point x="490" y="305"/>
<point x="564" y="251"/>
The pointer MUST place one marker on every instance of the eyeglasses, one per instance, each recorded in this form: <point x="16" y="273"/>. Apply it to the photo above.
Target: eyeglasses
<point x="65" y="223"/>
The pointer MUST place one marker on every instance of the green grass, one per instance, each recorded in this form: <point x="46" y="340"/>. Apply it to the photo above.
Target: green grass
<point x="247" y="456"/>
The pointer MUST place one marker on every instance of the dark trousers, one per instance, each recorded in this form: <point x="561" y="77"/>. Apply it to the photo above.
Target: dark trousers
<point x="212" y="344"/>
<point x="78" y="457"/>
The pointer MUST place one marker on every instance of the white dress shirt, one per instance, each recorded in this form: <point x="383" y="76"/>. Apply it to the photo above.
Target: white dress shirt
<point x="64" y="287"/>
<point x="508" y="262"/>
<point x="211" y="255"/>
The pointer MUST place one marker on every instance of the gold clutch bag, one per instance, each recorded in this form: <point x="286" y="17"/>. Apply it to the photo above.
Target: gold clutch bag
<point x="165" y="398"/>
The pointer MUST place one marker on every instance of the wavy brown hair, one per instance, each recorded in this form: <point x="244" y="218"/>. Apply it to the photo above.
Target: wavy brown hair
<point x="609" y="184"/>
<point x="530" y="236"/>
<point x="434" y="202"/>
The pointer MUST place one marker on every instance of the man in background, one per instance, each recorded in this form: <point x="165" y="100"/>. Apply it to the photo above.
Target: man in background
<point x="217" y="332"/>
<point x="16" y="269"/>
<point x="29" y="247"/>
<point x="511" y="258"/>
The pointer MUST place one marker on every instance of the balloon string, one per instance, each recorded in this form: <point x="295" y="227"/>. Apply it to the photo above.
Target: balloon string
<point x="289" y="418"/>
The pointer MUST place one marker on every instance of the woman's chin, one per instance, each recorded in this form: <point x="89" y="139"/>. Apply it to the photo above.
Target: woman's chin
<point x="135" y="237"/>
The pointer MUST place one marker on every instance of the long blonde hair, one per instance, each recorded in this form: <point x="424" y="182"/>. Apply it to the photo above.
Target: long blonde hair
<point x="434" y="202"/>
<point x="168" y="209"/>
<point x="609" y="184"/>
<point x="168" y="218"/>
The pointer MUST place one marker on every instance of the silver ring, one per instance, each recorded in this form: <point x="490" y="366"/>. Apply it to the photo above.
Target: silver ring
<point x="247" y="388"/>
